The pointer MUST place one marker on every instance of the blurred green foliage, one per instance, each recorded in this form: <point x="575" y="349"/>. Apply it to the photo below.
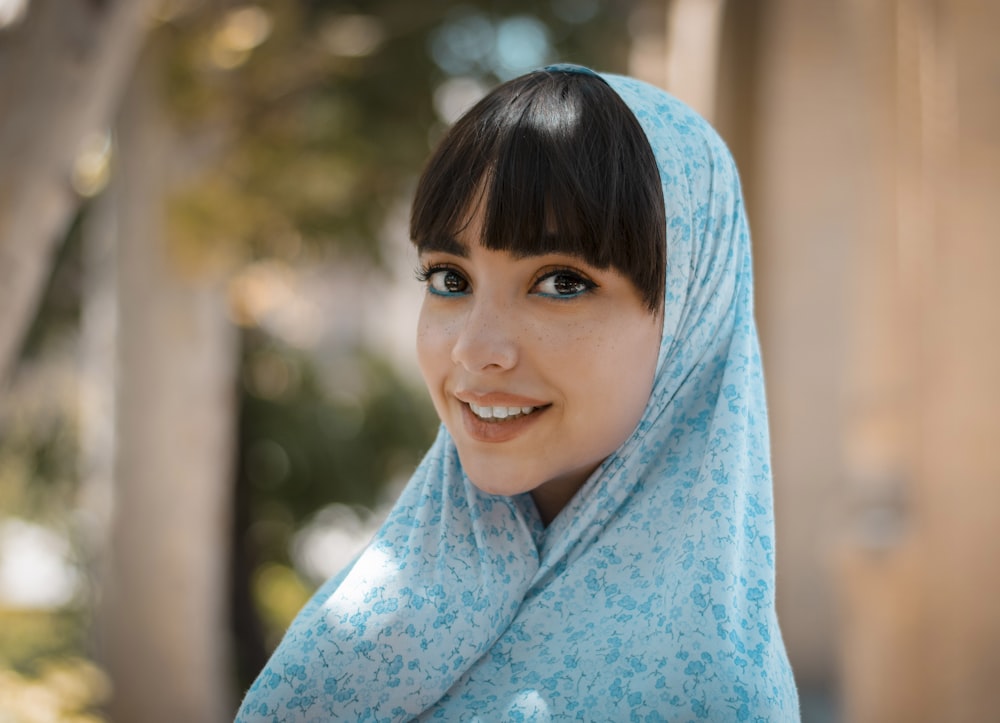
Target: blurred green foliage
<point x="39" y="426"/>
<point x="306" y="444"/>
<point x="42" y="676"/>
<point x="323" y="125"/>
<point x="28" y="637"/>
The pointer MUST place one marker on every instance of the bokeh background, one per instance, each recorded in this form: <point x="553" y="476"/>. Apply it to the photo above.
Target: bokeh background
<point x="208" y="394"/>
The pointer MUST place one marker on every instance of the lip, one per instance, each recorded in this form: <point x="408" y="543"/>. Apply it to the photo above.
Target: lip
<point x="499" y="430"/>
<point x="498" y="399"/>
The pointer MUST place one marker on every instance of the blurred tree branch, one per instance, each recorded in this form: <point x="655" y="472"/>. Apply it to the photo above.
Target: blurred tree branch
<point x="62" y="72"/>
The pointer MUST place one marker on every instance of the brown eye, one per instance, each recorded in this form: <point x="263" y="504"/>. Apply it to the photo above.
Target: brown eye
<point x="563" y="285"/>
<point x="446" y="282"/>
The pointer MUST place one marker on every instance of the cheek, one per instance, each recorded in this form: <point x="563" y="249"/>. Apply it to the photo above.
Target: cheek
<point x="645" y="351"/>
<point x="425" y="348"/>
<point x="629" y="365"/>
<point x="434" y="345"/>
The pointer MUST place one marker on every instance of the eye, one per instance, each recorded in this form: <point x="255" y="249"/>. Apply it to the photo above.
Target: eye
<point x="563" y="285"/>
<point x="444" y="281"/>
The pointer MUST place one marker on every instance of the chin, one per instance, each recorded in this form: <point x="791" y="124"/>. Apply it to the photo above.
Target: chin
<point x="493" y="484"/>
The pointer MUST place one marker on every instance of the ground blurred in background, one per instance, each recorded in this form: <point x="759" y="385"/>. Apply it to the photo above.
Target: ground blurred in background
<point x="209" y="395"/>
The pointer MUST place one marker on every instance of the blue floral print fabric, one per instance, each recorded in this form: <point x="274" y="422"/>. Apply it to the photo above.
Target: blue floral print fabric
<point x="649" y="598"/>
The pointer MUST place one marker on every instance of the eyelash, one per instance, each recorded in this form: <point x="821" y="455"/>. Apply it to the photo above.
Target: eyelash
<point x="577" y="279"/>
<point x="426" y="273"/>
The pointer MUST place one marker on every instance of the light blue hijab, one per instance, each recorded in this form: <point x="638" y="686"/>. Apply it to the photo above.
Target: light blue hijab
<point x="649" y="598"/>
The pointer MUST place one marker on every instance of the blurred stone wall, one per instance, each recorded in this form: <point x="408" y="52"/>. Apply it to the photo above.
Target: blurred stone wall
<point x="872" y="148"/>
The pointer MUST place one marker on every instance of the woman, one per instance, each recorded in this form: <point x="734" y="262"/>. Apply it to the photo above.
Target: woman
<point x="590" y="536"/>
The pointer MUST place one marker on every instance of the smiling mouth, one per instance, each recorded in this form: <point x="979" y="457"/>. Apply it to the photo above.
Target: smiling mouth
<point x="499" y="414"/>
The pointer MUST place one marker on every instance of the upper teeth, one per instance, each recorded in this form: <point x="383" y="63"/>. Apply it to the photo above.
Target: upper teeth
<point x="499" y="412"/>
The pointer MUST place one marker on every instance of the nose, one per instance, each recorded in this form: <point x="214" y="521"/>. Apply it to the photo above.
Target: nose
<point x="486" y="340"/>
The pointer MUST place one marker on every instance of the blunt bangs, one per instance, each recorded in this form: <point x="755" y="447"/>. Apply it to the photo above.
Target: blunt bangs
<point x="560" y="165"/>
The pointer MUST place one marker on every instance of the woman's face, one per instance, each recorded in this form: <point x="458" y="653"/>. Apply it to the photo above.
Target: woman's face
<point x="540" y="367"/>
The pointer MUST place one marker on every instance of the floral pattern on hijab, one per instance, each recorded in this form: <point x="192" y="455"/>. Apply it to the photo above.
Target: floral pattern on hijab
<point x="649" y="598"/>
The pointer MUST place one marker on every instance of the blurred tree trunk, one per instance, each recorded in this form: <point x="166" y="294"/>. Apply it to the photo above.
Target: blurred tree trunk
<point x="98" y="373"/>
<point x="61" y="74"/>
<point x="163" y="617"/>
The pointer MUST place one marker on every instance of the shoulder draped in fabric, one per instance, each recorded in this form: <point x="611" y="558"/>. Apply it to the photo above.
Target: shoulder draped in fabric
<point x="650" y="597"/>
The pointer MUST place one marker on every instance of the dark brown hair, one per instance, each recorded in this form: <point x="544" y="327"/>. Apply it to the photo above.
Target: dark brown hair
<point x="562" y="166"/>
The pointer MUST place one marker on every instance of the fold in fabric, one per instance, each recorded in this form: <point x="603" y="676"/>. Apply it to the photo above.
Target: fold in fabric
<point x="650" y="597"/>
